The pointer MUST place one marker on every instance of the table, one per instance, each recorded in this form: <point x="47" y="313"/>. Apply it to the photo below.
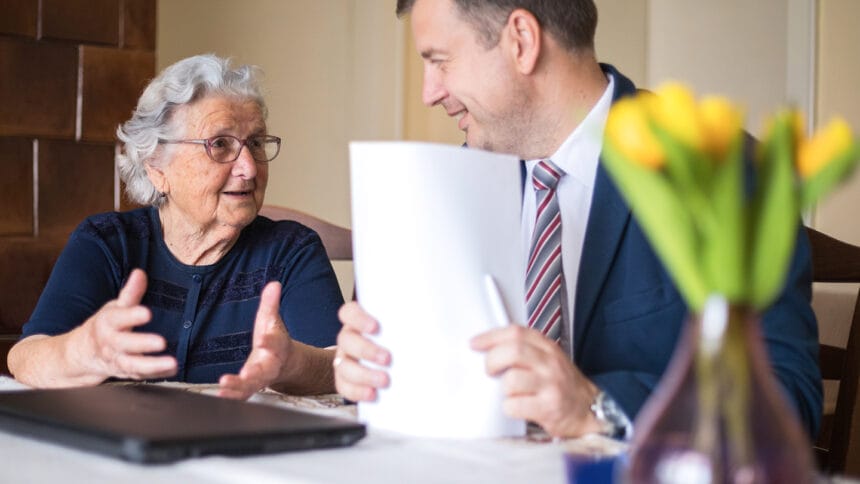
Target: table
<point x="381" y="457"/>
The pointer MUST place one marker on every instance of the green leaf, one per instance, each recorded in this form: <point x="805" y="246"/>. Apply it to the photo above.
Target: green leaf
<point x="725" y="249"/>
<point x="689" y="174"/>
<point x="666" y="221"/>
<point x="776" y="216"/>
<point x="829" y="176"/>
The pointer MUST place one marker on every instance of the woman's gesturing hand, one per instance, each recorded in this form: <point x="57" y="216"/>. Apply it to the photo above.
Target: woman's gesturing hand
<point x="270" y="349"/>
<point x="109" y="347"/>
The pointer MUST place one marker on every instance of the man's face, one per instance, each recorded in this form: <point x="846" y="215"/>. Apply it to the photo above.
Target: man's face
<point x="478" y="86"/>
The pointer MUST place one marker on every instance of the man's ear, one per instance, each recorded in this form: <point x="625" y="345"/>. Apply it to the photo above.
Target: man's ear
<point x="524" y="32"/>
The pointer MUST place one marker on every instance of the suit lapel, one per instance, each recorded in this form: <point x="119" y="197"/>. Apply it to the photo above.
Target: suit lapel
<point x="606" y="223"/>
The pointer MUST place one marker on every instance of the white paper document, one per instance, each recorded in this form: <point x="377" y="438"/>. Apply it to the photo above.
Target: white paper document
<point x="429" y="223"/>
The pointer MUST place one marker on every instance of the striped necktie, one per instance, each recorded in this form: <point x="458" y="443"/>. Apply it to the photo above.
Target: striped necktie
<point x="544" y="272"/>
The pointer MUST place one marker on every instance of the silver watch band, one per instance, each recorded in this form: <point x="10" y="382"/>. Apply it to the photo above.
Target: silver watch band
<point x="615" y="422"/>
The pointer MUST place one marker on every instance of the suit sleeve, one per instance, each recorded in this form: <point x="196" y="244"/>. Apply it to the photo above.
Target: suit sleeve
<point x="790" y="334"/>
<point x="790" y="331"/>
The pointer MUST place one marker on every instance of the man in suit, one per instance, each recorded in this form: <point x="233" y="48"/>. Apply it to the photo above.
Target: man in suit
<point x="522" y="77"/>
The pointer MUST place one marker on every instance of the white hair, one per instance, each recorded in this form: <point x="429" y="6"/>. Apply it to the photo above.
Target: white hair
<point x="182" y="83"/>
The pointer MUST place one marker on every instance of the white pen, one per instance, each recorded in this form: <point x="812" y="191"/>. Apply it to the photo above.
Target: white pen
<point x="497" y="304"/>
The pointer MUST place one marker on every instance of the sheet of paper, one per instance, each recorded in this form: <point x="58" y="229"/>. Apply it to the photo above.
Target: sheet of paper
<point x="428" y="222"/>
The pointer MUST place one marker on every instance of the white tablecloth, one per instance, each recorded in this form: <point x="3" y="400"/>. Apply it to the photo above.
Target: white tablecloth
<point x="378" y="458"/>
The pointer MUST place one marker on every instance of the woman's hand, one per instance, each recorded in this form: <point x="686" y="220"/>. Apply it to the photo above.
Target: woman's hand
<point x="110" y="348"/>
<point x="104" y="346"/>
<point x="270" y="349"/>
<point x="278" y="361"/>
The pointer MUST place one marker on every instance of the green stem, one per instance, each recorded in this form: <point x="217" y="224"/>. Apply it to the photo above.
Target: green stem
<point x="723" y="389"/>
<point x="737" y="404"/>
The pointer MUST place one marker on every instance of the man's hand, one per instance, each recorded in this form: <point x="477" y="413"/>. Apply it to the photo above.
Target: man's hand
<point x="540" y="382"/>
<point x="107" y="346"/>
<point x="352" y="379"/>
<point x="270" y="349"/>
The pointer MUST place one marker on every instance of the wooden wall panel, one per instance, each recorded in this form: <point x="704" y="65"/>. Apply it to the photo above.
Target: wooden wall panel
<point x="93" y="21"/>
<point x="39" y="99"/>
<point x="27" y="263"/>
<point x="19" y="17"/>
<point x="139" y="24"/>
<point x="75" y="181"/>
<point x="16" y="186"/>
<point x="109" y="46"/>
<point x="112" y="82"/>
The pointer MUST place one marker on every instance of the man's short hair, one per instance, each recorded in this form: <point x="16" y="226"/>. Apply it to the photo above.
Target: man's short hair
<point x="571" y="22"/>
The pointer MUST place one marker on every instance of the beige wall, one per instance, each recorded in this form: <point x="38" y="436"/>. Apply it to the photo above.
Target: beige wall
<point x="765" y="54"/>
<point x="333" y="74"/>
<point x="339" y="70"/>
<point x="331" y="70"/>
<point x="838" y="92"/>
<point x="837" y="81"/>
<point x="733" y="47"/>
<point x="621" y="38"/>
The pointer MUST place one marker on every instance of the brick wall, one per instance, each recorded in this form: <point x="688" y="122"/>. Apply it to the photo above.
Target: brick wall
<point x="70" y="72"/>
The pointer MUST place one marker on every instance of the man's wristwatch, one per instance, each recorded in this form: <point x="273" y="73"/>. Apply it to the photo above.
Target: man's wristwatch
<point x="613" y="420"/>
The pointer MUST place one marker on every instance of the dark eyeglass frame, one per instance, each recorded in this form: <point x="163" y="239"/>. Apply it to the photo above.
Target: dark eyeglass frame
<point x="207" y="142"/>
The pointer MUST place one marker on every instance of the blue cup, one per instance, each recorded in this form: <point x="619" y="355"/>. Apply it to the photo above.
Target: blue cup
<point x="591" y="469"/>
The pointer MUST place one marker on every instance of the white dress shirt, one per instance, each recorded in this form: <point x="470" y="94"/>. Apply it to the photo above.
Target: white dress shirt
<point x="578" y="157"/>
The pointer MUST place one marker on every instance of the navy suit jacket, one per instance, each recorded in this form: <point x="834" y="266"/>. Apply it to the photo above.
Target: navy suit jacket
<point x="629" y="314"/>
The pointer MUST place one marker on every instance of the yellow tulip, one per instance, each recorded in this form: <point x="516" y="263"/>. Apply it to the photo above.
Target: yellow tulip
<point x="824" y="146"/>
<point x="674" y="109"/>
<point x="627" y="128"/>
<point x="721" y="124"/>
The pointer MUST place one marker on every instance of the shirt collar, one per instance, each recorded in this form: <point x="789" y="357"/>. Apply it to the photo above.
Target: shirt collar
<point x="579" y="154"/>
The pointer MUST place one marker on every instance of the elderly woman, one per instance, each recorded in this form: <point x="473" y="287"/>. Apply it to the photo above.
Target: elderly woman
<point x="196" y="286"/>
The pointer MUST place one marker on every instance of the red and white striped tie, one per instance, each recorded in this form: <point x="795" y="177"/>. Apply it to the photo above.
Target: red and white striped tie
<point x="544" y="272"/>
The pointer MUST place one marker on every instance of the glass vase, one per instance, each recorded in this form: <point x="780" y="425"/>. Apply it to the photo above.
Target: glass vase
<point x="718" y="414"/>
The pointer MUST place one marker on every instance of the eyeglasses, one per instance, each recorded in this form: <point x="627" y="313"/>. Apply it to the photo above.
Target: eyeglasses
<point x="226" y="149"/>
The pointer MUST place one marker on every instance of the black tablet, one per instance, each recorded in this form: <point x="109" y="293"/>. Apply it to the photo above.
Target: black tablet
<point x="151" y="424"/>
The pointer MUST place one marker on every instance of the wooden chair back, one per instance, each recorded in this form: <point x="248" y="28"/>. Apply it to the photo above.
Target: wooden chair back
<point x="337" y="240"/>
<point x="837" y="261"/>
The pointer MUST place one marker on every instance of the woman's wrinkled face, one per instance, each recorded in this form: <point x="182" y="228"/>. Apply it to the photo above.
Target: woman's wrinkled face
<point x="201" y="192"/>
